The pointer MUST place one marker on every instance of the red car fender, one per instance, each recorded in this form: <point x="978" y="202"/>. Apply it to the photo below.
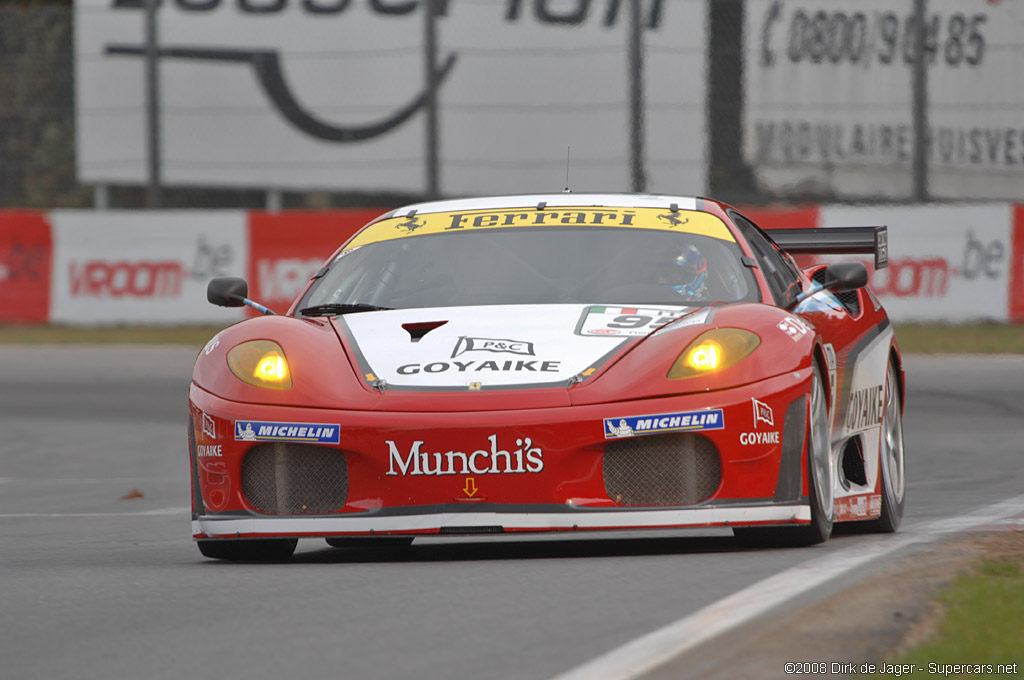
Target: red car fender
<point x="787" y="344"/>
<point x="322" y="375"/>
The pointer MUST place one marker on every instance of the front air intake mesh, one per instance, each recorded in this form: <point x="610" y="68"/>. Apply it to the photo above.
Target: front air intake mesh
<point x="667" y="469"/>
<point x="294" y="479"/>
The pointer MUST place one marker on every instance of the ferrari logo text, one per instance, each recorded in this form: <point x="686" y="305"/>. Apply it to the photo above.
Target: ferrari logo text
<point x="517" y="218"/>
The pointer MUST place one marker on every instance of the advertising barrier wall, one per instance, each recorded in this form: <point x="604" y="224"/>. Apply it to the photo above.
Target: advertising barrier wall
<point x="138" y="267"/>
<point x="947" y="263"/>
<point x="286" y="249"/>
<point x="1017" y="267"/>
<point x="26" y="243"/>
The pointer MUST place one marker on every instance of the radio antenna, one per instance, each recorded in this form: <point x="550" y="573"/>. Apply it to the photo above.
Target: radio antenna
<point x="568" y="149"/>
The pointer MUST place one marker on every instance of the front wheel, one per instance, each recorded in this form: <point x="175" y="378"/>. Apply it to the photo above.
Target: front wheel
<point x="891" y="459"/>
<point x="249" y="550"/>
<point x="820" y="475"/>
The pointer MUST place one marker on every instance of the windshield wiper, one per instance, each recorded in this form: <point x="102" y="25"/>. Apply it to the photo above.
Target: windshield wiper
<point x="337" y="309"/>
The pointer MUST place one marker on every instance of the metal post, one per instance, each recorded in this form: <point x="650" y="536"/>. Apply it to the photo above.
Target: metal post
<point x="919" y="101"/>
<point x="728" y="175"/>
<point x="274" y="200"/>
<point x="433" y="169"/>
<point x="101" y="197"/>
<point x="152" y="85"/>
<point x="638" y="172"/>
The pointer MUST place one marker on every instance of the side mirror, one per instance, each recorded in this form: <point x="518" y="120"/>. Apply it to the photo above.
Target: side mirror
<point x="227" y="291"/>
<point x="844" y="276"/>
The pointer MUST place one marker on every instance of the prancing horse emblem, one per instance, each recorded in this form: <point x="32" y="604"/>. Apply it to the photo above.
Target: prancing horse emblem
<point x="410" y="225"/>
<point x="673" y="220"/>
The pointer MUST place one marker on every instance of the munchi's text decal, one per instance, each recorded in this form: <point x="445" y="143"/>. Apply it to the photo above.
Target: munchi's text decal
<point x="490" y="460"/>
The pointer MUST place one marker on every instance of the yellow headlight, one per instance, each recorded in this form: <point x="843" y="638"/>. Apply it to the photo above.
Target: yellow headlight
<point x="261" y="363"/>
<point x="713" y="350"/>
<point x="704" y="357"/>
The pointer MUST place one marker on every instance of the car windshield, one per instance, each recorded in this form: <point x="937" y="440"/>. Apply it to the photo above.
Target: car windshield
<point x="530" y="266"/>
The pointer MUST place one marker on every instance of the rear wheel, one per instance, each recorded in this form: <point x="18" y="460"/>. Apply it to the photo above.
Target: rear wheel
<point x="249" y="550"/>
<point x="891" y="459"/>
<point x="820" y="475"/>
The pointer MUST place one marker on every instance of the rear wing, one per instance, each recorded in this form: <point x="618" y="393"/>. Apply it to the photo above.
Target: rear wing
<point x="835" y="241"/>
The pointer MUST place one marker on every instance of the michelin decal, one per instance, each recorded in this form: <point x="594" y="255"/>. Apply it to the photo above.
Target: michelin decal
<point x="686" y="421"/>
<point x="266" y="431"/>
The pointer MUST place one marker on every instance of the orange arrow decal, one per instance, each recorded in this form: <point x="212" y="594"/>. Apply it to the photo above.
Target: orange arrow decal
<point x="471" y="487"/>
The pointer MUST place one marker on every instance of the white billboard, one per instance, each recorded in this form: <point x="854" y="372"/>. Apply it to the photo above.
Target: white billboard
<point x="828" y="88"/>
<point x="137" y="267"/>
<point x="947" y="263"/>
<point x="328" y="94"/>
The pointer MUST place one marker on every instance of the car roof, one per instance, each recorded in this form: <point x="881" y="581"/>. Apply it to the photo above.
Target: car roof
<point x="566" y="199"/>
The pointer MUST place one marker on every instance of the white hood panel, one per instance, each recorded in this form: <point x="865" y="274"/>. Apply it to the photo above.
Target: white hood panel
<point x="502" y="345"/>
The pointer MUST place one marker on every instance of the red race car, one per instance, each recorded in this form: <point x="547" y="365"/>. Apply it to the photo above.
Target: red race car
<point x="561" y="362"/>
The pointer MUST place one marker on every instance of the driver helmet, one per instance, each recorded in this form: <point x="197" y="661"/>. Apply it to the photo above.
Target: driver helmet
<point x="691" y="273"/>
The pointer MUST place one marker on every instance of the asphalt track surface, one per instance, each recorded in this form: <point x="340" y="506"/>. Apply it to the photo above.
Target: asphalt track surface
<point x="95" y="583"/>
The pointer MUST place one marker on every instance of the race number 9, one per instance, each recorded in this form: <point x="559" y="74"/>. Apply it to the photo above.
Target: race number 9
<point x="630" y="321"/>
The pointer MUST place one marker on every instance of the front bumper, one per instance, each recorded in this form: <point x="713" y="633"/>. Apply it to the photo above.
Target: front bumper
<point x="423" y="473"/>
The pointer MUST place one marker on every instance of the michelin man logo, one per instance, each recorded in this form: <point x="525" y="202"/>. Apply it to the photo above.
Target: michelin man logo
<point x="247" y="435"/>
<point x="621" y="430"/>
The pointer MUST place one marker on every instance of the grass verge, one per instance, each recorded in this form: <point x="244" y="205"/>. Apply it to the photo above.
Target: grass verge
<point x="913" y="338"/>
<point x="980" y="633"/>
<point x="23" y="334"/>
<point x="960" y="339"/>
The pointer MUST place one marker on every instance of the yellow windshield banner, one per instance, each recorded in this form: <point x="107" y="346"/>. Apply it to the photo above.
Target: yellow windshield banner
<point x="662" y="219"/>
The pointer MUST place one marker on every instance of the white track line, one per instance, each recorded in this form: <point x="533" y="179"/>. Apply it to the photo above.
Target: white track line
<point x="80" y="480"/>
<point x="62" y="515"/>
<point x="634" y="659"/>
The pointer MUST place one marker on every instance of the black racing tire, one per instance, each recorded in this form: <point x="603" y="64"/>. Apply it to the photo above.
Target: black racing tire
<point x="891" y="459"/>
<point x="249" y="550"/>
<point x="820" y="478"/>
<point x="369" y="541"/>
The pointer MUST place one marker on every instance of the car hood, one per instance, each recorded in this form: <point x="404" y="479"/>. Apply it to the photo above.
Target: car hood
<point x="484" y="347"/>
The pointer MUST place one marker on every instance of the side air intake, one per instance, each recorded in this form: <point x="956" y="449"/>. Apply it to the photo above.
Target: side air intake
<point x="294" y="479"/>
<point x="667" y="469"/>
